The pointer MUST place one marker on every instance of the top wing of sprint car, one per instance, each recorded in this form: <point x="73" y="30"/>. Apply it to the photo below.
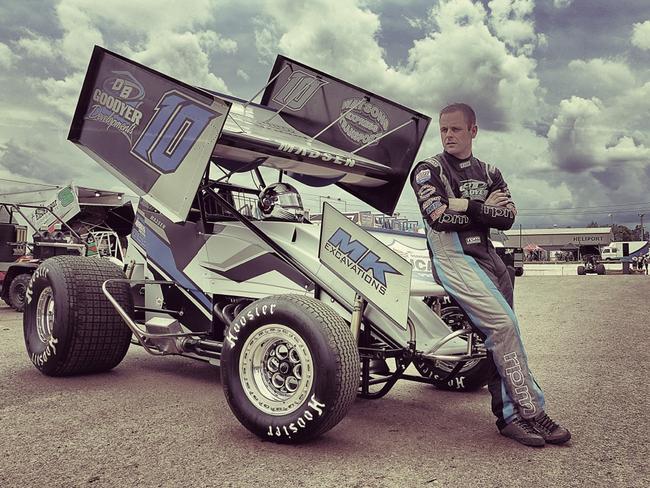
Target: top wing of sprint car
<point x="158" y="135"/>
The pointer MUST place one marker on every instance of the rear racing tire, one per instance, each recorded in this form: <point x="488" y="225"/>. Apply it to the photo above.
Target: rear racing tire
<point x="290" y="368"/>
<point x="600" y="269"/>
<point x="70" y="327"/>
<point x="16" y="292"/>
<point x="581" y="270"/>
<point x="472" y="376"/>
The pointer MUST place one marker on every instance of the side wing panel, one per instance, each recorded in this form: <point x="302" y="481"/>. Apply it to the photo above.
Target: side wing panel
<point x="152" y="132"/>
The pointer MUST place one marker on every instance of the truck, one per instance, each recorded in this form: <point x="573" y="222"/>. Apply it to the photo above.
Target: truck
<point x="60" y="225"/>
<point x="618" y="249"/>
<point x="293" y="314"/>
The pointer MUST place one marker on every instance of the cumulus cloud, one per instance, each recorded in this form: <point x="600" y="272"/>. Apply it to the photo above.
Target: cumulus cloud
<point x="463" y="60"/>
<point x="180" y="55"/>
<point x="602" y="76"/>
<point x="511" y="21"/>
<point x="6" y="56"/>
<point x="28" y="162"/>
<point x="562" y="3"/>
<point x="641" y="35"/>
<point x="339" y="36"/>
<point x="582" y="138"/>
<point x="266" y="39"/>
<point x="172" y="39"/>
<point x="571" y="134"/>
<point x="460" y="58"/>
<point x="213" y="42"/>
<point x="36" y="47"/>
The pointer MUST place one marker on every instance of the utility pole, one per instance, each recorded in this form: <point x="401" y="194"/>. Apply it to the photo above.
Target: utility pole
<point x="642" y="232"/>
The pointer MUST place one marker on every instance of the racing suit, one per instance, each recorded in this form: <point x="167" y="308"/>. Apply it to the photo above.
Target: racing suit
<point x="467" y="266"/>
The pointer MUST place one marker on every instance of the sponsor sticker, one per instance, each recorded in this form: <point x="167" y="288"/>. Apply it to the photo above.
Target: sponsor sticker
<point x="438" y="212"/>
<point x="426" y="191"/>
<point x="433" y="206"/>
<point x="116" y="103"/>
<point x="364" y="122"/>
<point x="473" y="240"/>
<point x="473" y="189"/>
<point x="422" y="176"/>
<point x="465" y="164"/>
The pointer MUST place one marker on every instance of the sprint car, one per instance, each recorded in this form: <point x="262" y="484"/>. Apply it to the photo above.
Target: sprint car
<point x="296" y="315"/>
<point x="591" y="265"/>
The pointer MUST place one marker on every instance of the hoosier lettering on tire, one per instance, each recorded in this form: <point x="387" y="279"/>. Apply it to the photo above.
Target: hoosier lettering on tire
<point x="70" y="327"/>
<point x="289" y="368"/>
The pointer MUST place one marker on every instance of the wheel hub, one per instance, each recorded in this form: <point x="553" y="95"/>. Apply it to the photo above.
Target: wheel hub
<point x="45" y="315"/>
<point x="276" y="369"/>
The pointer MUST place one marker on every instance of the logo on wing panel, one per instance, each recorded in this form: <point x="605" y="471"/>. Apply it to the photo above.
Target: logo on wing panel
<point x="297" y="90"/>
<point x="360" y="260"/>
<point x="116" y="103"/>
<point x="364" y="122"/>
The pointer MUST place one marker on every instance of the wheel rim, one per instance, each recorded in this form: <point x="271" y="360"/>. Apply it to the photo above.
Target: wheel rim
<point x="455" y="320"/>
<point x="20" y="291"/>
<point x="276" y="369"/>
<point x="45" y="315"/>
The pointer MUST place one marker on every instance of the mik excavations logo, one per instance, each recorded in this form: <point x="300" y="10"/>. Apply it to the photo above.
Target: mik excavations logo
<point x="360" y="260"/>
<point x="364" y="123"/>
<point x="115" y="103"/>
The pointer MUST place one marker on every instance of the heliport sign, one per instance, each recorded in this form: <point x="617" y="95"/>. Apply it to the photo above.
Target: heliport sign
<point x="376" y="272"/>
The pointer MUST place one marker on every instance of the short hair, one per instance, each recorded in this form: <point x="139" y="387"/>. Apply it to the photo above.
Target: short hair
<point x="467" y="111"/>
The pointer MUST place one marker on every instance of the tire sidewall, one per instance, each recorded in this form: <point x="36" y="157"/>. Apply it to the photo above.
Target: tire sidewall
<point x="313" y="412"/>
<point x="47" y="356"/>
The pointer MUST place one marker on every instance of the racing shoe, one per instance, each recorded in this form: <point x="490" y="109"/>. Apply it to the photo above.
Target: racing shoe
<point x="521" y="431"/>
<point x="551" y="432"/>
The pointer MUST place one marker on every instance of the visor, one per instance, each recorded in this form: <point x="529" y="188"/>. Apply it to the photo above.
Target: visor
<point x="290" y="200"/>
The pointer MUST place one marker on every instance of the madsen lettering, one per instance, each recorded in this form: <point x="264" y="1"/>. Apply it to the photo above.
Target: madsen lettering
<point x="359" y="259"/>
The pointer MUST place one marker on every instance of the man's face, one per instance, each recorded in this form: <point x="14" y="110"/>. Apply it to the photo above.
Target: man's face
<point x="456" y="137"/>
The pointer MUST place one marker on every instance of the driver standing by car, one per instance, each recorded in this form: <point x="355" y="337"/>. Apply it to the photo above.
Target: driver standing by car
<point x="461" y="198"/>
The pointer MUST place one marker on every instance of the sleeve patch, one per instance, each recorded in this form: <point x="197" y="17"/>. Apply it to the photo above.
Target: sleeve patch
<point x="422" y="176"/>
<point x="426" y="191"/>
<point x="431" y="205"/>
<point x="435" y="215"/>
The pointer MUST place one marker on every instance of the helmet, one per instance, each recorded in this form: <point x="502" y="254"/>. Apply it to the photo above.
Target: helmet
<point x="281" y="201"/>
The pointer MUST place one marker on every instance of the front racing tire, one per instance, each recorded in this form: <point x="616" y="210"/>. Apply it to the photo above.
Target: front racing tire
<point x="473" y="375"/>
<point x="582" y="270"/>
<point x="290" y="368"/>
<point x="70" y="327"/>
<point x="600" y="269"/>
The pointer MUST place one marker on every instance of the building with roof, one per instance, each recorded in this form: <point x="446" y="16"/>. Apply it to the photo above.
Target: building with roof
<point x="584" y="240"/>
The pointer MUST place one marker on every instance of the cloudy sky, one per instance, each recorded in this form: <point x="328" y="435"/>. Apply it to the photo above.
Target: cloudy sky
<point x="561" y="87"/>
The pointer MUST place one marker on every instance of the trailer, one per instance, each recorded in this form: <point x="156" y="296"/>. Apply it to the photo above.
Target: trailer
<point x="619" y="249"/>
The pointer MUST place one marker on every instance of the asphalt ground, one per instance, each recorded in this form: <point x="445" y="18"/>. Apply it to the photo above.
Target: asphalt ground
<point x="164" y="421"/>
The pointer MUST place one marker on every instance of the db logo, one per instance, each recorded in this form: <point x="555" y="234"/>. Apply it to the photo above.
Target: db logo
<point x="124" y="87"/>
